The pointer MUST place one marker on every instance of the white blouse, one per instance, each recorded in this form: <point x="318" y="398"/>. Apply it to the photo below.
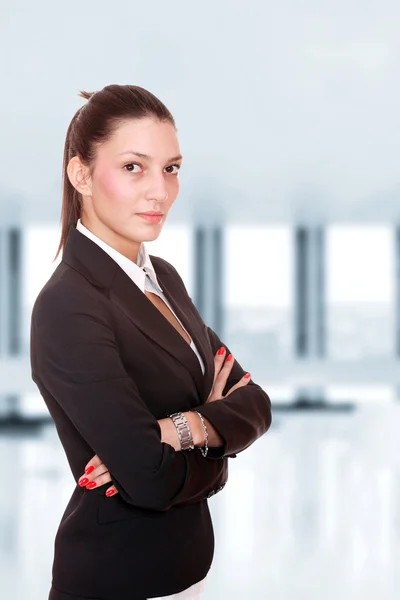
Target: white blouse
<point x="143" y="274"/>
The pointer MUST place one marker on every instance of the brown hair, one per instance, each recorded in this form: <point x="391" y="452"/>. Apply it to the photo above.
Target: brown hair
<point x="93" y="124"/>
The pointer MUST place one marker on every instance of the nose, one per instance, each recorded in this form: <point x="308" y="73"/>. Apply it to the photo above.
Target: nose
<point x="157" y="190"/>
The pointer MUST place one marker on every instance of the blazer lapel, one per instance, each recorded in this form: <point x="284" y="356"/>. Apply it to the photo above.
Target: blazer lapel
<point x="142" y="312"/>
<point x="96" y="265"/>
<point x="193" y="324"/>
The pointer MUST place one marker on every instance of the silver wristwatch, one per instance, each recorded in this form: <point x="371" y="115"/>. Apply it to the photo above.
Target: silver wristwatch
<point x="183" y="429"/>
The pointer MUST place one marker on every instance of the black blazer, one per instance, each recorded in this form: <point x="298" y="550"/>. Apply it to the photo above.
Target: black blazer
<point x="108" y="365"/>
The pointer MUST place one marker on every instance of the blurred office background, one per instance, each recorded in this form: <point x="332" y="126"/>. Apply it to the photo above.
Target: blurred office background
<point x="287" y="234"/>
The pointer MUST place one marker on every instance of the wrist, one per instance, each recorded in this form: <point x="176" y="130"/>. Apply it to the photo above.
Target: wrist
<point x="183" y="429"/>
<point x="196" y="428"/>
<point x="169" y="434"/>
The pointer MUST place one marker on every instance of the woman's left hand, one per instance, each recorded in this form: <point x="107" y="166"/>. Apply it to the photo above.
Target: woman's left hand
<point x="96" y="472"/>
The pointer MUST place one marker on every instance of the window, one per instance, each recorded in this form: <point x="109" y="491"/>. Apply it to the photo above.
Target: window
<point x="360" y="292"/>
<point x="258" y="298"/>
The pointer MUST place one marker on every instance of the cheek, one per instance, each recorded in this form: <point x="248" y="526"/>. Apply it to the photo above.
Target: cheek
<point x="113" y="186"/>
<point x="173" y="188"/>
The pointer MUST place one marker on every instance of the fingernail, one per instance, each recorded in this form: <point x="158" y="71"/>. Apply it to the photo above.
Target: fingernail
<point x="83" y="481"/>
<point x="229" y="357"/>
<point x="91" y="485"/>
<point x="221" y="350"/>
<point x="89" y="470"/>
<point x="247" y="376"/>
<point x="110" y="492"/>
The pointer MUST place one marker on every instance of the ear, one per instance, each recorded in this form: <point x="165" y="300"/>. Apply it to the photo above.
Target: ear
<point x="78" y="174"/>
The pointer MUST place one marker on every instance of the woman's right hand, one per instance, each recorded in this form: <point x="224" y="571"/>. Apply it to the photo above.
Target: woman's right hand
<point x="221" y="373"/>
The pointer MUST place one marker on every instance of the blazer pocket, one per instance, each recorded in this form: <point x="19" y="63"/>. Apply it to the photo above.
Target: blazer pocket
<point x="114" y="509"/>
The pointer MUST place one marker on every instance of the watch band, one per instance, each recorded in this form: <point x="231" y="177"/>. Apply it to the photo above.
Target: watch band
<point x="183" y="429"/>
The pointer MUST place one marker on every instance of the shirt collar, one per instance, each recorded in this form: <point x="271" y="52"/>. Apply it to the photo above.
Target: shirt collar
<point x="136" y="271"/>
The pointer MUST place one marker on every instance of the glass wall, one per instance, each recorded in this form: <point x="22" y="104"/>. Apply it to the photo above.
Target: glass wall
<point x="258" y="298"/>
<point x="360" y="276"/>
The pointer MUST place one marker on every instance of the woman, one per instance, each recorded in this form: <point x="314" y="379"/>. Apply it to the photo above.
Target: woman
<point x="147" y="401"/>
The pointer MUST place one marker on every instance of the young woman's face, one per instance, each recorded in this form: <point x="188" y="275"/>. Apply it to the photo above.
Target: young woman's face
<point x="136" y="171"/>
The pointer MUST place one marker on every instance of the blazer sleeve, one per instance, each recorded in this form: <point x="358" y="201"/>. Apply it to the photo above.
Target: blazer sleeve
<point x="243" y="416"/>
<point x="75" y="359"/>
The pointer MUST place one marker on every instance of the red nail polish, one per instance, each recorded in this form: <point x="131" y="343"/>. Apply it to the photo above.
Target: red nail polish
<point x="221" y="350"/>
<point x="229" y="357"/>
<point x="89" y="469"/>
<point x="83" y="481"/>
<point x="110" y="492"/>
<point x="247" y="376"/>
<point x="91" y="485"/>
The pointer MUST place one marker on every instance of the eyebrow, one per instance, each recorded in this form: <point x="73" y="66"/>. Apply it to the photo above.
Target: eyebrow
<point x="146" y="156"/>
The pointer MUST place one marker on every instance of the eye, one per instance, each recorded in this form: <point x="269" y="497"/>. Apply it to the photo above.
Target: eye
<point x="177" y="169"/>
<point x="131" y="165"/>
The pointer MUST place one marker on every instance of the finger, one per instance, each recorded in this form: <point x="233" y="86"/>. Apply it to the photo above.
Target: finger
<point x="93" y="464"/>
<point x="98" y="481"/>
<point x="219" y="361"/>
<point x="111" y="491"/>
<point x="241" y="383"/>
<point x="85" y="479"/>
<point x="222" y="377"/>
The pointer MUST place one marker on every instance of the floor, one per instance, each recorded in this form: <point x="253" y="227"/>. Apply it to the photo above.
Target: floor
<point x="311" y="511"/>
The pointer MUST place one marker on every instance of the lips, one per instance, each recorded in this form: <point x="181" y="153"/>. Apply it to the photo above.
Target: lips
<point x="151" y="214"/>
<point x="151" y="218"/>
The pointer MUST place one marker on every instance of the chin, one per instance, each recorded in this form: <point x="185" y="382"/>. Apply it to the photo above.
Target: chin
<point x="151" y="236"/>
<point x="146" y="234"/>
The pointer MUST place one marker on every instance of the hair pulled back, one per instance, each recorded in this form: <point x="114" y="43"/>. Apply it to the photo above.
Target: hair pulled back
<point x="93" y="124"/>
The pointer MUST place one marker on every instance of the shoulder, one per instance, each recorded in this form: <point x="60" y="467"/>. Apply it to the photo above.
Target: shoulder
<point x="65" y="293"/>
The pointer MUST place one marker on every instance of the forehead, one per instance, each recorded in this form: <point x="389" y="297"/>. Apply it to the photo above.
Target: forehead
<point x="146" y="135"/>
